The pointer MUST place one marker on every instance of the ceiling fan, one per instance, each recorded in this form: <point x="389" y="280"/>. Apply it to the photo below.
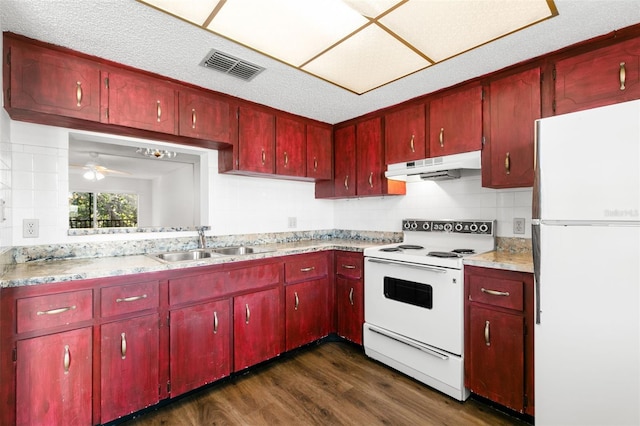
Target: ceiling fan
<point x="94" y="171"/>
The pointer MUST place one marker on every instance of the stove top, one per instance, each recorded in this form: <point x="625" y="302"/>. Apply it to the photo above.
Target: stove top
<point x="442" y="243"/>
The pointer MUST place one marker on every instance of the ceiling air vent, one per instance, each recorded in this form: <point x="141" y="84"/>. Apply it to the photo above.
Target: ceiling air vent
<point x="231" y="65"/>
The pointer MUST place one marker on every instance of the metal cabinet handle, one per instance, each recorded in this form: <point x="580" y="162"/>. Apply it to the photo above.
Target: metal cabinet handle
<point x="66" y="359"/>
<point x="441" y="138"/>
<point x="247" y="313"/>
<point x="131" y="299"/>
<point x="56" y="311"/>
<point x="315" y="164"/>
<point x="158" y="111"/>
<point x="193" y="118"/>
<point x="622" y="75"/>
<point x="308" y="269"/>
<point x="215" y="322"/>
<point x="487" y="340"/>
<point x="351" y="296"/>
<point x="349" y="266"/>
<point x="507" y="163"/>
<point x="286" y="159"/>
<point x="494" y="292"/>
<point x="79" y="93"/>
<point x="297" y="300"/>
<point x="346" y="182"/>
<point x="123" y="345"/>
<point x="264" y="157"/>
<point x="371" y="179"/>
<point x="413" y="148"/>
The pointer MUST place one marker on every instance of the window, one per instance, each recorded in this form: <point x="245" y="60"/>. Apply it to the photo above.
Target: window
<point x="102" y="210"/>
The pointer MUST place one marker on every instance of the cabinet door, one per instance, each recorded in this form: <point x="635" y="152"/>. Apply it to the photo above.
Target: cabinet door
<point x="350" y="307"/>
<point x="256" y="141"/>
<point x="512" y="106"/>
<point x="200" y="342"/>
<point x="291" y="147"/>
<point x="405" y="135"/>
<point x="601" y="77"/>
<point x="307" y="312"/>
<point x="203" y="117"/>
<point x="257" y="328"/>
<point x="53" y="379"/>
<point x="455" y="122"/>
<point x="129" y="379"/>
<point x="496" y="341"/>
<point x="51" y="82"/>
<point x="141" y="102"/>
<point x="370" y="157"/>
<point x="345" y="161"/>
<point x="319" y="153"/>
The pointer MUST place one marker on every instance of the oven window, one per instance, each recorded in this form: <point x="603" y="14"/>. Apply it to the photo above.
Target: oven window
<point x="408" y="292"/>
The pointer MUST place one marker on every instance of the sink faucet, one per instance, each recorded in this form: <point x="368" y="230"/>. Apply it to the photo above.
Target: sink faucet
<point x="202" y="242"/>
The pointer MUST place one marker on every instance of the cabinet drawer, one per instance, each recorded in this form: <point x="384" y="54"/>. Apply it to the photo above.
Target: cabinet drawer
<point x="254" y="277"/>
<point x="504" y="293"/>
<point x="349" y="265"/>
<point x="124" y="299"/>
<point x="306" y="268"/>
<point x="54" y="310"/>
<point x="196" y="287"/>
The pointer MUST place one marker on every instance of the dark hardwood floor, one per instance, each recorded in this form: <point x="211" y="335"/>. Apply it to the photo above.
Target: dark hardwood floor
<point x="333" y="383"/>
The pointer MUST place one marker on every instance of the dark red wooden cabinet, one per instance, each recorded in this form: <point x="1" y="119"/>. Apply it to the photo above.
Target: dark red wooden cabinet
<point x="54" y="379"/>
<point x="512" y="104"/>
<point x="203" y="116"/>
<point x="291" y="147"/>
<point x="597" y="78"/>
<point x="51" y="82"/>
<point x="319" y="152"/>
<point x="345" y="161"/>
<point x="369" y="157"/>
<point x="256" y="141"/>
<point x="499" y="336"/>
<point x="349" y="283"/>
<point x="455" y="122"/>
<point x="405" y="135"/>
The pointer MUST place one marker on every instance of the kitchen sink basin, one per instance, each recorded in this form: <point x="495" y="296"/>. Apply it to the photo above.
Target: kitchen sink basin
<point x="184" y="256"/>
<point x="236" y="251"/>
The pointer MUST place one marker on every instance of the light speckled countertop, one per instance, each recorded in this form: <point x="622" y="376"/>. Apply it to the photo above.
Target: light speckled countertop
<point x="520" y="262"/>
<point x="61" y="270"/>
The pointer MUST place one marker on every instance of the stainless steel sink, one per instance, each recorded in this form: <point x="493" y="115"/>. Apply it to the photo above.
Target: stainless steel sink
<point x="237" y="251"/>
<point x="185" y="256"/>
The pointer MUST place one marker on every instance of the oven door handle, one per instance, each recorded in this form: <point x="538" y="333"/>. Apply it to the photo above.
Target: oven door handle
<point x="408" y="265"/>
<point x="413" y="345"/>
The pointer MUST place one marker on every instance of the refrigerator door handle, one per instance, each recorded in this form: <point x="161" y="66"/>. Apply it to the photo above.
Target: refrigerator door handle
<point x="535" y="241"/>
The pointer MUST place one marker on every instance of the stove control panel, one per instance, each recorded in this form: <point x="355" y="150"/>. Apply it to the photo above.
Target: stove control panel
<point x="483" y="227"/>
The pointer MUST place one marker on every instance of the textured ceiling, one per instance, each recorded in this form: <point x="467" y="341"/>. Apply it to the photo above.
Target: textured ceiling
<point x="131" y="33"/>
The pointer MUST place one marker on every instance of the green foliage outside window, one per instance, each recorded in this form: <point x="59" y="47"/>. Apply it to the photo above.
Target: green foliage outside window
<point x="102" y="210"/>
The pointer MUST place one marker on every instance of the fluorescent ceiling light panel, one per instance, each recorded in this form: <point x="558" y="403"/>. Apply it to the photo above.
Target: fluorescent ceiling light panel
<point x="360" y="45"/>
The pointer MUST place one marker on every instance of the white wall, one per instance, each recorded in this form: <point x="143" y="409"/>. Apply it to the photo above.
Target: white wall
<point x="173" y="199"/>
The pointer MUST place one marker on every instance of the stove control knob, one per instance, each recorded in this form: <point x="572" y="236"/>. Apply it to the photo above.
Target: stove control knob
<point x="414" y="226"/>
<point x="484" y="227"/>
<point x="458" y="227"/>
<point x="425" y="226"/>
<point x="407" y="225"/>
<point x="448" y="227"/>
<point x="473" y="227"/>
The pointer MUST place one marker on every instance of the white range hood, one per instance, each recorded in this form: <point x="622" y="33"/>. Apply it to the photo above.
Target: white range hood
<point x="436" y="168"/>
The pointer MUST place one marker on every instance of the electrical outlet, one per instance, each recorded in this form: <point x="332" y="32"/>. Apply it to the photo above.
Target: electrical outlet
<point x="518" y="225"/>
<point x="292" y="222"/>
<point x="30" y="228"/>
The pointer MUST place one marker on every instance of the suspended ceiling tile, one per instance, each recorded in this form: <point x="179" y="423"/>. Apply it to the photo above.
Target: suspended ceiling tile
<point x="369" y="59"/>
<point x="292" y="31"/>
<point x="444" y="28"/>
<point x="372" y="9"/>
<point x="195" y="11"/>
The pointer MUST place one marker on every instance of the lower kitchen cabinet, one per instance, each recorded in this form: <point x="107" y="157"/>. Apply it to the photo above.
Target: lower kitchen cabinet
<point x="257" y="327"/>
<point x="200" y="345"/>
<point x="307" y="312"/>
<point x="499" y="336"/>
<point x="129" y="361"/>
<point x="350" y="295"/>
<point x="54" y="379"/>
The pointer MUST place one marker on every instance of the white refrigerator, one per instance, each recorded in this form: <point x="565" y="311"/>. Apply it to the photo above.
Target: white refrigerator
<point x="586" y="242"/>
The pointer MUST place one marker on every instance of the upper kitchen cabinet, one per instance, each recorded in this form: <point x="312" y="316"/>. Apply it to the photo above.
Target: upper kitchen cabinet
<point x="291" y="147"/>
<point x="319" y="152"/>
<point x="600" y="77"/>
<point x="345" y="165"/>
<point x="511" y="106"/>
<point x="141" y="102"/>
<point x="39" y="80"/>
<point x="369" y="157"/>
<point x="405" y="132"/>
<point x="203" y="116"/>
<point x="256" y="141"/>
<point x="455" y="121"/>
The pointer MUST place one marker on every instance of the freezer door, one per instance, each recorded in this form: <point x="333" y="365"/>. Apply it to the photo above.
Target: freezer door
<point x="587" y="346"/>
<point x="589" y="165"/>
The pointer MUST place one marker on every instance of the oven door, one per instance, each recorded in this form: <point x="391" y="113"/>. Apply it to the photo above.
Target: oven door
<point x="423" y="303"/>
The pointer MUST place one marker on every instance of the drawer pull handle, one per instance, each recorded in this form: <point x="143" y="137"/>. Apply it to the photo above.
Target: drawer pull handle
<point x="349" y="266"/>
<point x="623" y="76"/>
<point x="131" y="299"/>
<point x="286" y="159"/>
<point x="411" y="144"/>
<point x="315" y="164"/>
<point x="215" y="322"/>
<point x="346" y="182"/>
<point x="66" y="359"/>
<point x="507" y="163"/>
<point x="487" y="340"/>
<point x="441" y="138"/>
<point x="79" y="93"/>
<point x="295" y="294"/>
<point x="351" y="296"/>
<point x="193" y="118"/>
<point x="371" y="180"/>
<point x="264" y="157"/>
<point x="309" y="269"/>
<point x="247" y="313"/>
<point x="56" y="311"/>
<point x="494" y="292"/>
<point x="123" y="345"/>
<point x="158" y="111"/>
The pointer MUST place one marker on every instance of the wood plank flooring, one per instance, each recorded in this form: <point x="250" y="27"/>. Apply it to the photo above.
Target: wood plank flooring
<point x="333" y="383"/>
